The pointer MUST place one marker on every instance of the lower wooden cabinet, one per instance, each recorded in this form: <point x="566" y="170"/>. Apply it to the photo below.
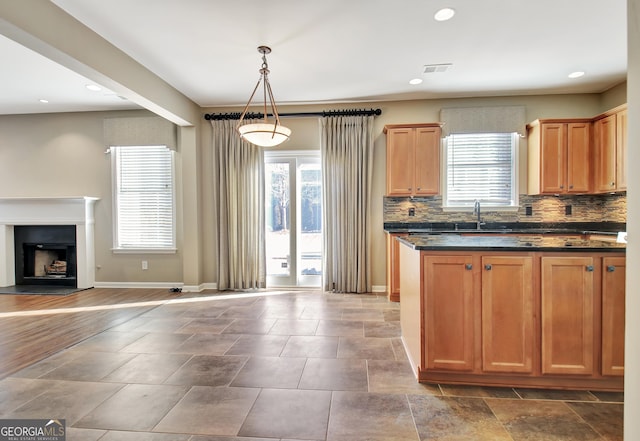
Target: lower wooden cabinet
<point x="567" y="315"/>
<point x="507" y="314"/>
<point x="613" y="309"/>
<point x="529" y="319"/>
<point x="393" y="266"/>
<point x="452" y="314"/>
<point x="449" y="312"/>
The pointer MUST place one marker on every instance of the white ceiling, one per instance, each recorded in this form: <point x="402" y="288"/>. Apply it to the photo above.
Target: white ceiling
<point x="328" y="51"/>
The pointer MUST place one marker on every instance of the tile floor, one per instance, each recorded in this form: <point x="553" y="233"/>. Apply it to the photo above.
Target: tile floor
<point x="286" y="365"/>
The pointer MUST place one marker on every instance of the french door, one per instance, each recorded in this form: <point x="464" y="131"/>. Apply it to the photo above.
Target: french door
<point x="293" y="194"/>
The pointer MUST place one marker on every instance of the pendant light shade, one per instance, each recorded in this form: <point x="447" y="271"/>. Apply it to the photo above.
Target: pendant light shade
<point x="264" y="134"/>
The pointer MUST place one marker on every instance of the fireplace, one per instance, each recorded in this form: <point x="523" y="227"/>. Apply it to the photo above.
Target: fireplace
<point x="47" y="241"/>
<point x="45" y="255"/>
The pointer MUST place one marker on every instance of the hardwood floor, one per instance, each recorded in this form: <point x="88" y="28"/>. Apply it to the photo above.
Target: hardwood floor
<point x="33" y="327"/>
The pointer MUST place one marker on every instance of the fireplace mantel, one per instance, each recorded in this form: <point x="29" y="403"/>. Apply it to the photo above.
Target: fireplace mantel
<point x="77" y="211"/>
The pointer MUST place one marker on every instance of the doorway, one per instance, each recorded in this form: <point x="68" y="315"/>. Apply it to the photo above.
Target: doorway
<point x="293" y="195"/>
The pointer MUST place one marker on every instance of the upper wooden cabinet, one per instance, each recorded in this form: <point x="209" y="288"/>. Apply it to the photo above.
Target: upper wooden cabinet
<point x="559" y="156"/>
<point x="610" y="151"/>
<point x="413" y="159"/>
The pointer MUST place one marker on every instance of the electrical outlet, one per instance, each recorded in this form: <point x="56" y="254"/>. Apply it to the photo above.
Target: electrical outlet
<point x="567" y="210"/>
<point x="412" y="211"/>
<point x="528" y="210"/>
<point x="145" y="265"/>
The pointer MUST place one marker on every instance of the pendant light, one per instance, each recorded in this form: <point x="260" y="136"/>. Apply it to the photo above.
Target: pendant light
<point x="265" y="134"/>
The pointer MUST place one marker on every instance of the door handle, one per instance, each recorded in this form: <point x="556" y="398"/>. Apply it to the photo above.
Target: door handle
<point x="589" y="268"/>
<point x="611" y="268"/>
<point x="468" y="266"/>
<point x="487" y="267"/>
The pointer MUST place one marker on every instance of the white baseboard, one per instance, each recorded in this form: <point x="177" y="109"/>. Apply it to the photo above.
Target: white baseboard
<point x="195" y="288"/>
<point x="156" y="285"/>
<point x="199" y="288"/>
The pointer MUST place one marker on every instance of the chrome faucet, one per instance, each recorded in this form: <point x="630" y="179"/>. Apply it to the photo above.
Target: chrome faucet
<point x="476" y="211"/>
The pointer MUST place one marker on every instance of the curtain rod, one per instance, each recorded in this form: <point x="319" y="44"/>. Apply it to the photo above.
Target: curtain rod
<point x="324" y="113"/>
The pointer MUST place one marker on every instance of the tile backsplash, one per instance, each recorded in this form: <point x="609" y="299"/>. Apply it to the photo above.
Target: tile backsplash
<point x="584" y="208"/>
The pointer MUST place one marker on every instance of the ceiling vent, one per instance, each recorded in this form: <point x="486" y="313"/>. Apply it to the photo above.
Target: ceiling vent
<point x="433" y="68"/>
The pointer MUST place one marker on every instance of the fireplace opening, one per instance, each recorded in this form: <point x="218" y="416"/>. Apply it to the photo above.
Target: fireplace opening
<point x="46" y="255"/>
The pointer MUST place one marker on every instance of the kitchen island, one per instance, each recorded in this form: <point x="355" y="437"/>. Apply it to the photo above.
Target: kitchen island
<point x="528" y="310"/>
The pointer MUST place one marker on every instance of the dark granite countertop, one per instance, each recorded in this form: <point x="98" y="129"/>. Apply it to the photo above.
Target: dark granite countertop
<point x="506" y="227"/>
<point x="519" y="242"/>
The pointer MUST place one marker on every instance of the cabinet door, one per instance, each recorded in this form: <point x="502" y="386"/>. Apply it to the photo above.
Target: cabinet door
<point x="393" y="267"/>
<point x="605" y="154"/>
<point x="427" y="161"/>
<point x="400" y="161"/>
<point x="578" y="157"/>
<point x="621" y="150"/>
<point x="507" y="314"/>
<point x="449" y="315"/>
<point x="553" y="161"/>
<point x="567" y="315"/>
<point x="613" y="310"/>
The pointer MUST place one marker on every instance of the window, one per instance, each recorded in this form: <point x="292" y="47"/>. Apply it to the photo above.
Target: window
<point x="481" y="166"/>
<point x="143" y="183"/>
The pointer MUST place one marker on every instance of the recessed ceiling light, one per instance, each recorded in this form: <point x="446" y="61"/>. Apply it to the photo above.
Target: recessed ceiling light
<point x="576" y="74"/>
<point x="93" y="87"/>
<point x="444" y="14"/>
<point x="415" y="81"/>
<point x="44" y="101"/>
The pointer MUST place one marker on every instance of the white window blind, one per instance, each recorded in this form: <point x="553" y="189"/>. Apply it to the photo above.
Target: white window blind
<point x="481" y="166"/>
<point x="144" y="197"/>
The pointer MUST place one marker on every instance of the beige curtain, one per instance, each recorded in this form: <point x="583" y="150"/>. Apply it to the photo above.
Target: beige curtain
<point x="238" y="169"/>
<point x="347" y="163"/>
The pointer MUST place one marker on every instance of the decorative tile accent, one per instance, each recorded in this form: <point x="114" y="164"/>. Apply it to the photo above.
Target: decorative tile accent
<point x="584" y="208"/>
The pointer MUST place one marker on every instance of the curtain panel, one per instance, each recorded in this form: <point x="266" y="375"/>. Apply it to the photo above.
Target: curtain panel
<point x="347" y="165"/>
<point x="238" y="169"/>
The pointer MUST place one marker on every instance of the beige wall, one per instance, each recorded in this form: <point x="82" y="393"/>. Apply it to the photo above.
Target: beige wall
<point x="306" y="136"/>
<point x="63" y="155"/>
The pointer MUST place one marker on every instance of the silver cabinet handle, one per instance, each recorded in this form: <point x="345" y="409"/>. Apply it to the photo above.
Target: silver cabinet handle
<point x="589" y="268"/>
<point x="468" y="266"/>
<point x="487" y="267"/>
<point x="611" y="268"/>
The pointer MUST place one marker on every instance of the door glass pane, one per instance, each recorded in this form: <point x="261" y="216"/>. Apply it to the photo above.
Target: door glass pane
<point x="278" y="224"/>
<point x="310" y="231"/>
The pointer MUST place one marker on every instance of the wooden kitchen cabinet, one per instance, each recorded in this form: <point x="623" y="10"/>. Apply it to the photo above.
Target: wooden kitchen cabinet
<point x="568" y="320"/>
<point x="503" y="285"/>
<point x="393" y="266"/>
<point x="507" y="314"/>
<point x="613" y="314"/>
<point x="449" y="312"/>
<point x="514" y="319"/>
<point x="610" y="151"/>
<point x="559" y="156"/>
<point x="413" y="159"/>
